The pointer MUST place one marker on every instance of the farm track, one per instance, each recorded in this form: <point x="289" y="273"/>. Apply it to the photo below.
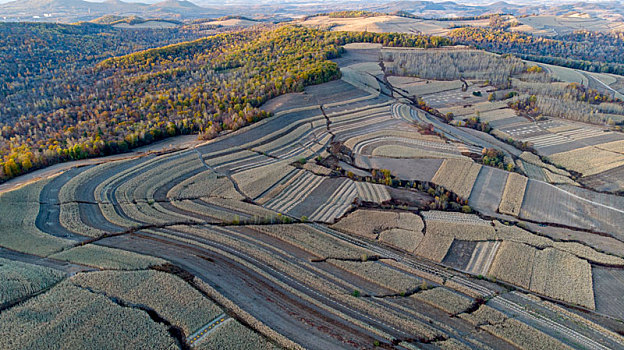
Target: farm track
<point x="49" y="209"/>
<point x="68" y="268"/>
<point x="349" y="310"/>
<point x="599" y="224"/>
<point x="573" y="337"/>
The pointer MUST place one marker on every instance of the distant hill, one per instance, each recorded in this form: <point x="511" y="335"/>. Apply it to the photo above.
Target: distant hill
<point x="110" y="19"/>
<point x="80" y="10"/>
<point x="135" y="22"/>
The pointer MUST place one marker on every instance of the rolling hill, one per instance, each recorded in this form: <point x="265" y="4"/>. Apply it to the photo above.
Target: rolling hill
<point x="80" y="10"/>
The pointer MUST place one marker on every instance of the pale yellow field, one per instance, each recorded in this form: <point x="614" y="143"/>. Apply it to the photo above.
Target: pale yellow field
<point x="513" y="194"/>
<point x="379" y="24"/>
<point x="420" y="87"/>
<point x="147" y="25"/>
<point x="232" y="22"/>
<point x="457" y="176"/>
<point x="563" y="24"/>
<point x="592" y="160"/>
<point x="399" y="151"/>
<point x="400" y="230"/>
<point x="444" y="299"/>
<point x="548" y="271"/>
<point x="490" y="116"/>
<point x="488" y="111"/>
<point x="434" y="247"/>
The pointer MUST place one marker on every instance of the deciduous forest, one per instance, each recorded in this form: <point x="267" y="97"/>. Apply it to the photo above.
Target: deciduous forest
<point x="78" y="110"/>
<point x="590" y="51"/>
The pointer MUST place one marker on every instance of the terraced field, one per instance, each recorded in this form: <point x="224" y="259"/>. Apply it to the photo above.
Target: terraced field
<point x="309" y="230"/>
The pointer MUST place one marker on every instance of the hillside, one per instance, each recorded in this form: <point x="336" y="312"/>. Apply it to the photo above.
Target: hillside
<point x="206" y="86"/>
<point x="38" y="56"/>
<point x="325" y="175"/>
<point x="81" y="10"/>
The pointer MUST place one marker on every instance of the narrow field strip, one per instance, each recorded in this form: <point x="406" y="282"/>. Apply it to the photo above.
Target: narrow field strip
<point x="374" y="193"/>
<point x="208" y="329"/>
<point x="513" y="194"/>
<point x="337" y="204"/>
<point x="482" y="258"/>
<point x="297" y="191"/>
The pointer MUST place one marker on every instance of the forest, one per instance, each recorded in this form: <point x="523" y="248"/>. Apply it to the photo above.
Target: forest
<point x="41" y="59"/>
<point x="571" y="101"/>
<point x="589" y="51"/>
<point x="454" y="65"/>
<point x="203" y="86"/>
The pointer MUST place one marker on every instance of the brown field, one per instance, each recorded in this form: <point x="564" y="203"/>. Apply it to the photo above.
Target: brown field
<point x="444" y="299"/>
<point x="591" y="160"/>
<point x="434" y="247"/>
<point x="549" y="25"/>
<point x="513" y="194"/>
<point x="458" y="176"/>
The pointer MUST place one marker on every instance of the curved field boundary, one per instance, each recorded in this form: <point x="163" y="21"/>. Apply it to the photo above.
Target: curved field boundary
<point x="568" y="75"/>
<point x="436" y="145"/>
<point x="361" y="308"/>
<point x="361" y="80"/>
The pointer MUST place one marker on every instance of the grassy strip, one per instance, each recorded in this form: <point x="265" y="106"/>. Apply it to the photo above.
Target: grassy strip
<point x="18" y="231"/>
